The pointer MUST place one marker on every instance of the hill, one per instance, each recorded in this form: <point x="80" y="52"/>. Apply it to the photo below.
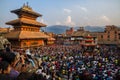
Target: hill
<point x="58" y="29"/>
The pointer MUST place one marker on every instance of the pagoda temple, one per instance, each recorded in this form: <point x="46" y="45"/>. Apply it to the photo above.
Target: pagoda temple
<point x="26" y="31"/>
<point x="89" y="41"/>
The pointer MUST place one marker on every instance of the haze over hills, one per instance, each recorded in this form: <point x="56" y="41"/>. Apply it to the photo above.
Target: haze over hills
<point x="58" y="29"/>
<point x="94" y="28"/>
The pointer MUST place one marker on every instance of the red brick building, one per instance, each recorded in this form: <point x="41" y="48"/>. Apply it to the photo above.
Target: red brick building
<point x="111" y="35"/>
<point x="70" y="31"/>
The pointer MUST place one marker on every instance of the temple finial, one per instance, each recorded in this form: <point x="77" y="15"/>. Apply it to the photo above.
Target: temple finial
<point x="23" y="4"/>
<point x="27" y="3"/>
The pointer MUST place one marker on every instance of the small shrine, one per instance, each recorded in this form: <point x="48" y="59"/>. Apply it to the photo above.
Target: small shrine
<point x="89" y="42"/>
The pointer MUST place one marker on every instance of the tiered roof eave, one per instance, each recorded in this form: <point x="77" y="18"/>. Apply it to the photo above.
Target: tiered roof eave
<point x="26" y="9"/>
<point x="26" y="21"/>
<point x="24" y="35"/>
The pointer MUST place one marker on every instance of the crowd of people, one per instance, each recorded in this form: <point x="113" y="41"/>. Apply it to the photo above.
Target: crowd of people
<point x="60" y="62"/>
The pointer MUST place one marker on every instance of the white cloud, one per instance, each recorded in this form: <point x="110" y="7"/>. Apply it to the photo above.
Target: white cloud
<point x="43" y="21"/>
<point x="58" y="23"/>
<point x="67" y="10"/>
<point x="82" y="8"/>
<point x="69" y="21"/>
<point x="105" y="18"/>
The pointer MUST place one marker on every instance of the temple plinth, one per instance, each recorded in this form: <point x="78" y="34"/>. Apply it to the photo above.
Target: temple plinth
<point x="26" y="31"/>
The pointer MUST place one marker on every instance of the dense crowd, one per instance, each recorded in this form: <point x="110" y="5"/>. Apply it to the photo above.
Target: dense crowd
<point x="60" y="62"/>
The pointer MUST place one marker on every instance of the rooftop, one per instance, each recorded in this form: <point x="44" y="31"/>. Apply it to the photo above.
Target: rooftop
<point x="80" y="33"/>
<point x="24" y="35"/>
<point x="27" y="9"/>
<point x="25" y="21"/>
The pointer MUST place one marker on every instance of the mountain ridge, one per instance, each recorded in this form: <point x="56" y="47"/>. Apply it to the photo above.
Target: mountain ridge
<point x="59" y="29"/>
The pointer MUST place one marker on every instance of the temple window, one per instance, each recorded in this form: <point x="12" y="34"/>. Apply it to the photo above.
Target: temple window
<point x="115" y="38"/>
<point x="102" y="36"/>
<point x="34" y="43"/>
<point x="119" y="36"/>
<point x="115" y="32"/>
<point x="24" y="44"/>
<point x="108" y="37"/>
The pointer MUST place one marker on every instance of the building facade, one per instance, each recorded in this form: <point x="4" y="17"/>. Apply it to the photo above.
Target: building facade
<point x="79" y="37"/>
<point x="110" y="36"/>
<point x="84" y="38"/>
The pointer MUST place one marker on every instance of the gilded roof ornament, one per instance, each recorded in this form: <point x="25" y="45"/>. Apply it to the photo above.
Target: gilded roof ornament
<point x="26" y="7"/>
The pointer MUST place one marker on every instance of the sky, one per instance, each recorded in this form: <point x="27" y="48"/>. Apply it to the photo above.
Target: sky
<point x="66" y="12"/>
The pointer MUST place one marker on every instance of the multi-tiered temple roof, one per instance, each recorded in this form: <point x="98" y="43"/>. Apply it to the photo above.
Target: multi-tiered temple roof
<point x="26" y="16"/>
<point x="26" y="28"/>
